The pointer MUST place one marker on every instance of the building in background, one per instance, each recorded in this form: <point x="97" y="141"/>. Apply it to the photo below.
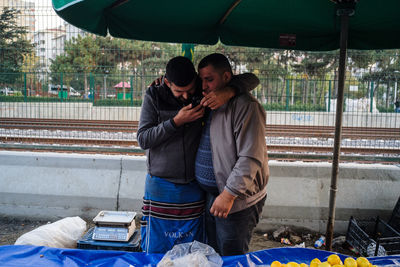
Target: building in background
<point x="45" y="29"/>
<point x="49" y="43"/>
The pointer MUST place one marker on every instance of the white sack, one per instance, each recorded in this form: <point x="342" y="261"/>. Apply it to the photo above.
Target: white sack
<point x="60" y="234"/>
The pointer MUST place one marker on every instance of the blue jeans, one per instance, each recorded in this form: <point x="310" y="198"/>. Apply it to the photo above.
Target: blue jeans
<point x="231" y="236"/>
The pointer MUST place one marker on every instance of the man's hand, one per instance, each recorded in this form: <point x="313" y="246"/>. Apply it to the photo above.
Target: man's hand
<point x="222" y="204"/>
<point x="216" y="99"/>
<point x="188" y="114"/>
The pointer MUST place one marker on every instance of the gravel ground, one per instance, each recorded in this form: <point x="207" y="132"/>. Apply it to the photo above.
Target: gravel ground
<point x="12" y="228"/>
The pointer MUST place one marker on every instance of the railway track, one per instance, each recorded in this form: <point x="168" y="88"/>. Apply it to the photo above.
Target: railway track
<point x="133" y="144"/>
<point x="132" y="126"/>
<point x="90" y="136"/>
<point x="329" y="132"/>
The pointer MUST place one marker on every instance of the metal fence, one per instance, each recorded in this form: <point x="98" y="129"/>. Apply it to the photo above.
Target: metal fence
<point x="50" y="70"/>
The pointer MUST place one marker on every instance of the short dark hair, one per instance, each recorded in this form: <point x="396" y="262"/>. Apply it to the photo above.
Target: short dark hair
<point x="218" y="61"/>
<point x="180" y="71"/>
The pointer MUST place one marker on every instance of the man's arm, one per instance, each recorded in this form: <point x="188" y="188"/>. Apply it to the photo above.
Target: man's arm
<point x="249" y="129"/>
<point x="152" y="133"/>
<point x="239" y="84"/>
<point x="244" y="83"/>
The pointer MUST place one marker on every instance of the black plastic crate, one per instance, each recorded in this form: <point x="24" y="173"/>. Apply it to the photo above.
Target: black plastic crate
<point x="357" y="237"/>
<point x="87" y="242"/>
<point x="388" y="237"/>
<point x="367" y="237"/>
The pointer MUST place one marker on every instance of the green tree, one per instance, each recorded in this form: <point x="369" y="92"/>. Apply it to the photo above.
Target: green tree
<point x="30" y="63"/>
<point x="13" y="46"/>
<point x="314" y="66"/>
<point x="114" y="57"/>
<point x="385" y="75"/>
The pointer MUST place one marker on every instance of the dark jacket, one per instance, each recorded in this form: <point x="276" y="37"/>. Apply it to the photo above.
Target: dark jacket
<point x="171" y="150"/>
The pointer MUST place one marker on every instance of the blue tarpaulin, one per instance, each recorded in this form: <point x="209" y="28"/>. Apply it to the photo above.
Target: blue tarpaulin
<point x="52" y="257"/>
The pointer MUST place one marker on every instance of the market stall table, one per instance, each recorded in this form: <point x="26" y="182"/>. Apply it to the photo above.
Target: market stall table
<point x="51" y="257"/>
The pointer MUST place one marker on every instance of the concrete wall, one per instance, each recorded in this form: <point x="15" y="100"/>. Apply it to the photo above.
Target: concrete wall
<point x="299" y="193"/>
<point x="350" y="119"/>
<point x="86" y="111"/>
<point x="53" y="185"/>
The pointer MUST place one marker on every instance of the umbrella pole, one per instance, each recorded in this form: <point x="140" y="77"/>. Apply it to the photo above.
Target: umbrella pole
<point x="338" y="129"/>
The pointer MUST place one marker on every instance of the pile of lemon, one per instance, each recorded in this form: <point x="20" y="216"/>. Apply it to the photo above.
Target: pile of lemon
<point x="332" y="261"/>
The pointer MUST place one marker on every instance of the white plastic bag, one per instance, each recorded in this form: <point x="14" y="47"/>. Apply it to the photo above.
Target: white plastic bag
<point x="371" y="250"/>
<point x="60" y="234"/>
<point x="190" y="255"/>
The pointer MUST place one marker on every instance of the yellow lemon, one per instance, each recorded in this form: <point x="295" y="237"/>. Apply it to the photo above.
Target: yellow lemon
<point x="338" y="265"/>
<point x="333" y="259"/>
<point x="276" y="264"/>
<point x="303" y="265"/>
<point x="324" y="264"/>
<point x="350" y="262"/>
<point x="362" y="262"/>
<point x="292" y="264"/>
<point x="374" y="265"/>
<point x="315" y="262"/>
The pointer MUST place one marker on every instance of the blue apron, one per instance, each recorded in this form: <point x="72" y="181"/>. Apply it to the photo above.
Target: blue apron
<point x="172" y="214"/>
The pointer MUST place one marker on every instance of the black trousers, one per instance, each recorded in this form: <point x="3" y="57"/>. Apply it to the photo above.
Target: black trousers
<point x="231" y="236"/>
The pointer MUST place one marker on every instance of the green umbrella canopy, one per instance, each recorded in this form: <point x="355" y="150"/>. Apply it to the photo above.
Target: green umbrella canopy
<point x="289" y="24"/>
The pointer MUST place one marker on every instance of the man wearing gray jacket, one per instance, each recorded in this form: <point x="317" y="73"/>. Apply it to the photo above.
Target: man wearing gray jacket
<point x="231" y="162"/>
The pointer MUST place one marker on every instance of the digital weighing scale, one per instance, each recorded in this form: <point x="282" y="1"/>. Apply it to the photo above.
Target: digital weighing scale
<point x="114" y="225"/>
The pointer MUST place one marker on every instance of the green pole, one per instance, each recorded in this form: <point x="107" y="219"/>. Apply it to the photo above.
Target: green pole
<point x="287" y="94"/>
<point x="136" y="84"/>
<point x="92" y="86"/>
<point x="131" y="91"/>
<point x="329" y="96"/>
<point x="371" y="96"/>
<point x="25" y="89"/>
<point x="188" y="51"/>
<point x="61" y="87"/>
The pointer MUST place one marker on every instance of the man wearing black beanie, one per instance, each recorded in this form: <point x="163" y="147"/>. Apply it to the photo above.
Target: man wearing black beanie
<point x="169" y="130"/>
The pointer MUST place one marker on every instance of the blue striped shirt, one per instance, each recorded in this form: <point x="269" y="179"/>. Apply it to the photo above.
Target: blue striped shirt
<point x="204" y="170"/>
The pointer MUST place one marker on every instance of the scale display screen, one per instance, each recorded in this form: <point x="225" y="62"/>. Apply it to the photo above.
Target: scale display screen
<point x="114" y="225"/>
<point x="111" y="233"/>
